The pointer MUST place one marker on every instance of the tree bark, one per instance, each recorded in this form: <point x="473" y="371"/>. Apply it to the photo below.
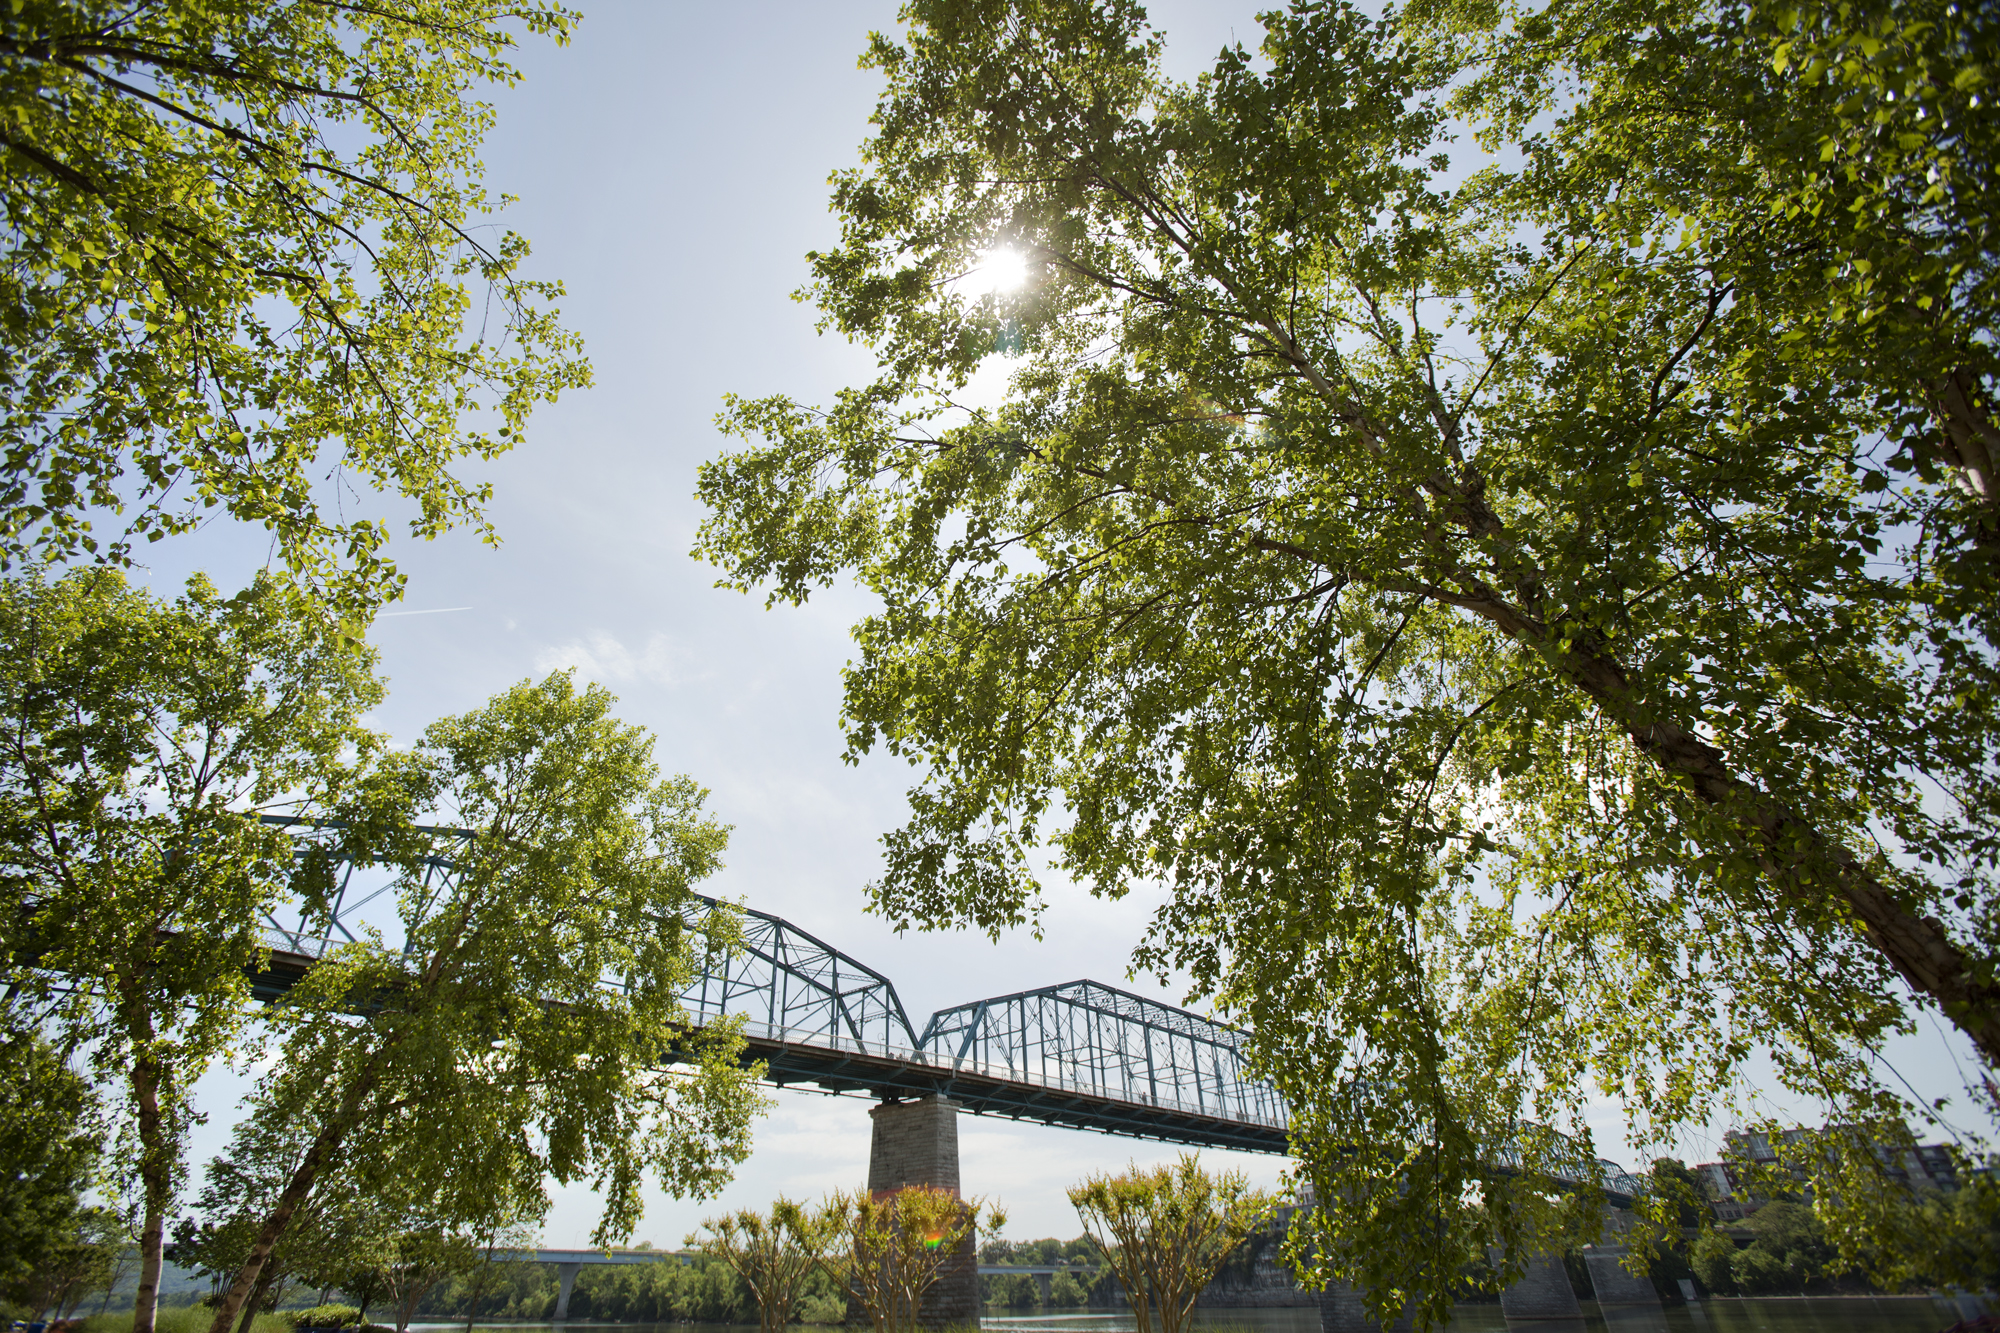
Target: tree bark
<point x="1794" y="853"/>
<point x="251" y="1306"/>
<point x="1971" y="447"/>
<point x="326" y="1143"/>
<point x="153" y="1180"/>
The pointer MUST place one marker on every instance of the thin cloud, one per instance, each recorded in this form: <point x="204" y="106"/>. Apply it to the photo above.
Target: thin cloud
<point x="602" y="658"/>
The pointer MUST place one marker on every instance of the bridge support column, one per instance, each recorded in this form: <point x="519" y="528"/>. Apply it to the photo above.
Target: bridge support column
<point x="1046" y="1281"/>
<point x="1614" y="1283"/>
<point x="567" y="1273"/>
<point x="916" y="1143"/>
<point x="1341" y="1311"/>
<point x="1543" y="1292"/>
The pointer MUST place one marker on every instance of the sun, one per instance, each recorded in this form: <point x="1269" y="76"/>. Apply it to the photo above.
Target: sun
<point x="998" y="271"/>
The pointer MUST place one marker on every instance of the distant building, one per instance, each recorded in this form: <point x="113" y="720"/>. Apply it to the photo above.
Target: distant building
<point x="1923" y="1167"/>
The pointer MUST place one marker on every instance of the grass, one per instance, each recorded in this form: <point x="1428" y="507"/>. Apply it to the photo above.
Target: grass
<point x="179" y="1319"/>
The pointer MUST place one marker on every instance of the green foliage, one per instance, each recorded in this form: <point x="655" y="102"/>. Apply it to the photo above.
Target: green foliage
<point x="1874" y="1218"/>
<point x="1682" y="1194"/>
<point x="824" y="1305"/>
<point x="141" y="741"/>
<point x="1532" y="623"/>
<point x="1712" y="1256"/>
<point x="50" y="1134"/>
<point x="1834" y="165"/>
<point x="774" y="1255"/>
<point x="243" y="254"/>
<point x="238" y="1190"/>
<point x="1089" y="1279"/>
<point x="414" y="1258"/>
<point x="323" y="1316"/>
<point x="1968" y="1223"/>
<point x="1166" y="1231"/>
<point x="181" y="1319"/>
<point x="488" y="1054"/>
<point x="1788" y="1252"/>
<point x="704" y="1291"/>
<point x="1674" y="1202"/>
<point x="886" y="1251"/>
<point x="81" y="1257"/>
<point x="1066" y="1292"/>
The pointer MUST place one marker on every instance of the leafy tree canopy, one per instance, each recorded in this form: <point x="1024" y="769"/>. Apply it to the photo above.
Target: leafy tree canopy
<point x="50" y="1133"/>
<point x="140" y="740"/>
<point x="522" y="1029"/>
<point x="244" y="268"/>
<point x="84" y="1256"/>
<point x="1535" y="619"/>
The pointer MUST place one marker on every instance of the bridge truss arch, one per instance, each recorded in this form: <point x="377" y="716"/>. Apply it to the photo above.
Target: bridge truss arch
<point x="1121" y="1046"/>
<point x="1081" y="1054"/>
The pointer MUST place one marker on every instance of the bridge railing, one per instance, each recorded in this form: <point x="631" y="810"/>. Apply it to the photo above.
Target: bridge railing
<point x="813" y="995"/>
<point x="996" y="1070"/>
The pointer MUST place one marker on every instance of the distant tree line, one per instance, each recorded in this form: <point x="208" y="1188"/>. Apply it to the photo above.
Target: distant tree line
<point x="1090" y="1281"/>
<point x="1785" y="1248"/>
<point x="687" y="1290"/>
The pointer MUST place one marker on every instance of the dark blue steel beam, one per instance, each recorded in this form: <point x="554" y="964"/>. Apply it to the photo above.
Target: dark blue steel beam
<point x="1082" y="1054"/>
<point x="818" y="1016"/>
<point x="882" y="1077"/>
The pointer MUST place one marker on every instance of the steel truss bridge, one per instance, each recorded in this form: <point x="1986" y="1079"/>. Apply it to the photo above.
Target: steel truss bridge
<point x="1083" y="1054"/>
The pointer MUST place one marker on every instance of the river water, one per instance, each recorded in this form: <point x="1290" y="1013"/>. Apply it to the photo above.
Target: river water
<point x="1825" y="1314"/>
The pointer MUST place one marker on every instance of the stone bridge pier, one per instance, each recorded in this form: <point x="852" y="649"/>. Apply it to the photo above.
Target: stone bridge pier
<point x="1543" y="1295"/>
<point x="916" y="1143"/>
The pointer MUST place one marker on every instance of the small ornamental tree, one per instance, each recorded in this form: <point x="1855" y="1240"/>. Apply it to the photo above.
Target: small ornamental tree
<point x="893" y="1248"/>
<point x="774" y="1255"/>
<point x="139" y="741"/>
<point x="1167" y="1230"/>
<point x="519" y="1032"/>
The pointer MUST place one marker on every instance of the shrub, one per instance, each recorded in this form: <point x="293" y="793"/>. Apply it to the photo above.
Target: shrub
<point x="324" y="1316"/>
<point x="823" y="1308"/>
<point x="1759" y="1272"/>
<point x="1710" y="1258"/>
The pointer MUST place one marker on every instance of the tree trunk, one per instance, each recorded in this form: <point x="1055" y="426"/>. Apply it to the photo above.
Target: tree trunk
<point x="1796" y="855"/>
<point x="153" y="1177"/>
<point x="326" y="1143"/>
<point x="1971" y="447"/>
<point x="256" y="1301"/>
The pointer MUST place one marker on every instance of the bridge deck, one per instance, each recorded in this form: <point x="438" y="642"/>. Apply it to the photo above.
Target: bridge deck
<point x="982" y="1092"/>
<point x="1082" y="1055"/>
<point x="837" y="1065"/>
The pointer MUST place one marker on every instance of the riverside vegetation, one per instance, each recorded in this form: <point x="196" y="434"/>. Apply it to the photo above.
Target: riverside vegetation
<point x="1592" y="557"/>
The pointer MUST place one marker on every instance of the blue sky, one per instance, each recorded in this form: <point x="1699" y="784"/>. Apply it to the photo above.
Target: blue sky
<point x="671" y="166"/>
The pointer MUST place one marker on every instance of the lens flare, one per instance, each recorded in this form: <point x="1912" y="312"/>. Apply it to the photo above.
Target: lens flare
<point x="998" y="271"/>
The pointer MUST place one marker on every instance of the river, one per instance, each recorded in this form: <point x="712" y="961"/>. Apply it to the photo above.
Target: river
<point x="1812" y="1314"/>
